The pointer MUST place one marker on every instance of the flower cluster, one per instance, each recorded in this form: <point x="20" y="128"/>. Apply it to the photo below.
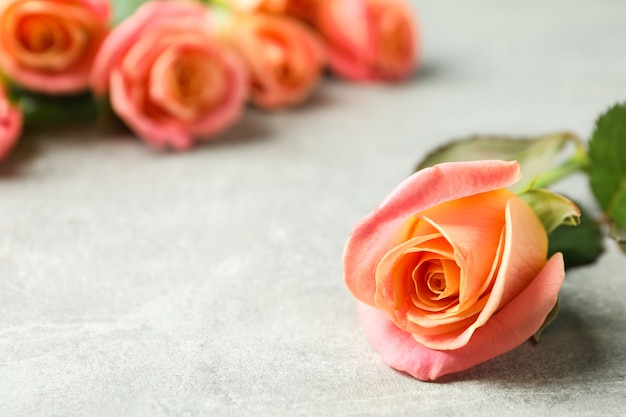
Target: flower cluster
<point x="180" y="71"/>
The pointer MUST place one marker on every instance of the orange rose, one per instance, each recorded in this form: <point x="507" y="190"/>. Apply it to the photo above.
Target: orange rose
<point x="284" y="57"/>
<point x="49" y="45"/>
<point x="301" y="9"/>
<point x="451" y="269"/>
<point x="10" y="124"/>
<point x="368" y="39"/>
<point x="167" y="76"/>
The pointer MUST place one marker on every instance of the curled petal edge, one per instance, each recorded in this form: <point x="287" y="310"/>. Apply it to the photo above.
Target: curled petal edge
<point x="508" y="328"/>
<point x="371" y="237"/>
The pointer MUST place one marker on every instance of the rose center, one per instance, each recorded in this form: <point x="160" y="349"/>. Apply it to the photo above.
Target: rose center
<point x="187" y="83"/>
<point x="39" y="34"/>
<point x="431" y="279"/>
<point x="436" y="283"/>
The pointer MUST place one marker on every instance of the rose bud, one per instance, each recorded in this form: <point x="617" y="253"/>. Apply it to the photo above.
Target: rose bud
<point x="450" y="270"/>
<point x="167" y="76"/>
<point x="49" y="45"/>
<point x="301" y="9"/>
<point x="368" y="40"/>
<point x="284" y="57"/>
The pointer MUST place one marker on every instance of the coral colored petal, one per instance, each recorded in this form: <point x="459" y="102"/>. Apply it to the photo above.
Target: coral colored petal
<point x="386" y="276"/>
<point x="284" y="58"/>
<point x="525" y="250"/>
<point x="394" y="31"/>
<point x="348" y="34"/>
<point x="167" y="76"/>
<point x="345" y="27"/>
<point x="130" y="31"/>
<point x="101" y="8"/>
<point x="528" y="248"/>
<point x="506" y="330"/>
<point x="470" y="223"/>
<point x="158" y="133"/>
<point x="375" y="234"/>
<point x="78" y="29"/>
<point x="232" y="104"/>
<point x="369" y="40"/>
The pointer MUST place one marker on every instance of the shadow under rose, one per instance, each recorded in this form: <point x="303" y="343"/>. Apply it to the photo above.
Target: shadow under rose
<point x="567" y="351"/>
<point x="427" y="71"/>
<point x="321" y="98"/>
<point x="24" y="153"/>
<point x="35" y="142"/>
<point x="250" y="128"/>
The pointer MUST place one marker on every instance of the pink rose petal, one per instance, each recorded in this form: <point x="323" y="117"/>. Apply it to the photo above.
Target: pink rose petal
<point x="506" y="329"/>
<point x="367" y="244"/>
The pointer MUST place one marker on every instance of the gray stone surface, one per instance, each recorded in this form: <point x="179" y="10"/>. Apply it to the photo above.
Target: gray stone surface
<point x="136" y="283"/>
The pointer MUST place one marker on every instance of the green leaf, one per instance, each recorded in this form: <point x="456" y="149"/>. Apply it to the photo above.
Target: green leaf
<point x="535" y="154"/>
<point x="124" y="8"/>
<point x="43" y="111"/>
<point x="607" y="176"/>
<point x="549" y="319"/>
<point x="580" y="245"/>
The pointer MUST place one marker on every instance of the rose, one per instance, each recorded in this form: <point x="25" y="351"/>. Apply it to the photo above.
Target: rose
<point x="49" y="45"/>
<point x="167" y="76"/>
<point x="301" y="9"/>
<point x="10" y="124"/>
<point x="368" y="40"/>
<point x="450" y="270"/>
<point x="283" y="56"/>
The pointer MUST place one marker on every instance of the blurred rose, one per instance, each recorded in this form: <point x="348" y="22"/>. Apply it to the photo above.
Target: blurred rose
<point x="10" y="124"/>
<point x="283" y="56"/>
<point x="368" y="40"/>
<point x="167" y="76"/>
<point x="49" y="45"/>
<point x="301" y="9"/>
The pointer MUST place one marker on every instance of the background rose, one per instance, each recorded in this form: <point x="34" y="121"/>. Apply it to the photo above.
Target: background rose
<point x="451" y="269"/>
<point x="10" y="124"/>
<point x="49" y="45"/>
<point x="301" y="9"/>
<point x="368" y="39"/>
<point x="167" y="76"/>
<point x="284" y="57"/>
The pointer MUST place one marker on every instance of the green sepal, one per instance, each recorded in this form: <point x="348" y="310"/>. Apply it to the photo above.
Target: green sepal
<point x="534" y="154"/>
<point x="580" y="245"/>
<point x="549" y="319"/>
<point x="607" y="175"/>
<point x="552" y="209"/>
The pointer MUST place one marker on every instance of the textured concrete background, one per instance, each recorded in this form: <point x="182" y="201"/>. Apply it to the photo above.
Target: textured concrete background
<point x="137" y="283"/>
